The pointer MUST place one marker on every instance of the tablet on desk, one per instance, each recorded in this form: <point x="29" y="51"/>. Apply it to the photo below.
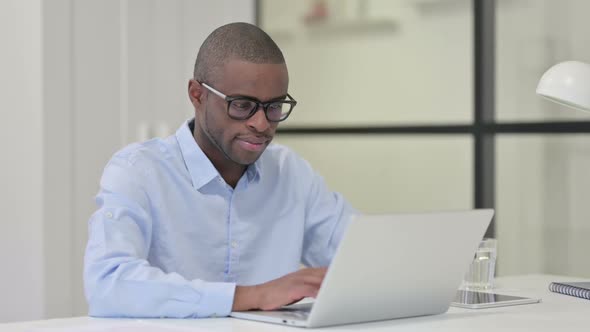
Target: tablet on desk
<point x="479" y="300"/>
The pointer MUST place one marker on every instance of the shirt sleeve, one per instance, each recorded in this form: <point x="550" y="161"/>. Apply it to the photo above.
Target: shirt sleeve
<point x="118" y="279"/>
<point x="327" y="217"/>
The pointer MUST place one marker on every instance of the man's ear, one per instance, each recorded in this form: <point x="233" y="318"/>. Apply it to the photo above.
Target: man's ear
<point x="195" y="92"/>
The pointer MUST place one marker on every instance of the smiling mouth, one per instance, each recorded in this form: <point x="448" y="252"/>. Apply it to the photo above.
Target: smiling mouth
<point x="255" y="145"/>
<point x="253" y="141"/>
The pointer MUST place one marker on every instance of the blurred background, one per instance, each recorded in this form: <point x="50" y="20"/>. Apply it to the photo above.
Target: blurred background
<point x="404" y="105"/>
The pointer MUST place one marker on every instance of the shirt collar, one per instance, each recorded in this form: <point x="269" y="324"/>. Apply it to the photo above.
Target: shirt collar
<point x="198" y="164"/>
<point x="253" y="171"/>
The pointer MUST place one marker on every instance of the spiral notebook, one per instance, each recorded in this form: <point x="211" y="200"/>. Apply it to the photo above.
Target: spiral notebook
<point x="577" y="289"/>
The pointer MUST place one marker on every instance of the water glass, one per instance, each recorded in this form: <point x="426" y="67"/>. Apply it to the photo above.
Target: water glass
<point x="480" y="275"/>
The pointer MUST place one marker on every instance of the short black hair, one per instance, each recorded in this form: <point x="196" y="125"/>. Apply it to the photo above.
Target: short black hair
<point x="242" y="41"/>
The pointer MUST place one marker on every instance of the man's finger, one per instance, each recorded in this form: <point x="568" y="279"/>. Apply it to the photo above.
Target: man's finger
<point x="307" y="291"/>
<point x="313" y="280"/>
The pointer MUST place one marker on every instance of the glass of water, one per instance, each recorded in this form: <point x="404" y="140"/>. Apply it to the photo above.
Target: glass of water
<point x="480" y="275"/>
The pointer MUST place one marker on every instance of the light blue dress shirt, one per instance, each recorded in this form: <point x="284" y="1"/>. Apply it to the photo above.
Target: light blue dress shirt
<point x="171" y="238"/>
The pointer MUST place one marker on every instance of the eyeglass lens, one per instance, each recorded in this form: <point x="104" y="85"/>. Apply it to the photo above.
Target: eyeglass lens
<point x="244" y="108"/>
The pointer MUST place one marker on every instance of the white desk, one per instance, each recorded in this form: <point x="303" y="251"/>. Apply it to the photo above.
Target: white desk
<point x="556" y="312"/>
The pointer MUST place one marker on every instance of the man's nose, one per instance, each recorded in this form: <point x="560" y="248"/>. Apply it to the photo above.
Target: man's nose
<point x="258" y="121"/>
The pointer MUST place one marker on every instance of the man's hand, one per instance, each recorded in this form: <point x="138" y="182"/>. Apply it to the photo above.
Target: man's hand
<point x="279" y="292"/>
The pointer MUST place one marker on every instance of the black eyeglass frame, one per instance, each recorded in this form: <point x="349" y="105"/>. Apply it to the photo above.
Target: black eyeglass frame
<point x="229" y="99"/>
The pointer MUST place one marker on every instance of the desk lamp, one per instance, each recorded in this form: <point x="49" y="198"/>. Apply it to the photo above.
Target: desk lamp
<point x="567" y="83"/>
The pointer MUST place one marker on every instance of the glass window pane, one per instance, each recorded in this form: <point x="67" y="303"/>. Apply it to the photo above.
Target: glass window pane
<point x="542" y="195"/>
<point x="379" y="62"/>
<point x="379" y="174"/>
<point x="532" y="36"/>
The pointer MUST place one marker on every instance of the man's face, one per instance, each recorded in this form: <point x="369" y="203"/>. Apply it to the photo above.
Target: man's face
<point x="241" y="141"/>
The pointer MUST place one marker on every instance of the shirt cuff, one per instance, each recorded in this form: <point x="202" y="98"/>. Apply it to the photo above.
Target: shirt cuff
<point x="217" y="300"/>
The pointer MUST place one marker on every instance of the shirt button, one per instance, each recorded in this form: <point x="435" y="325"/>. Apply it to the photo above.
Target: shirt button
<point x="234" y="244"/>
<point x="109" y="215"/>
<point x="214" y="315"/>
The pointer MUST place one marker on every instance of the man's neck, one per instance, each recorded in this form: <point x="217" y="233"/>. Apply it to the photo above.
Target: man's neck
<point x="230" y="171"/>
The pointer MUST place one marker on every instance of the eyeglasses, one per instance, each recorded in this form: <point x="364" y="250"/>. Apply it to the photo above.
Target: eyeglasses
<point x="242" y="107"/>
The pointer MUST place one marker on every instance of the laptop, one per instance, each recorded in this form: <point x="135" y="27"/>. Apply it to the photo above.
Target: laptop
<point x="388" y="267"/>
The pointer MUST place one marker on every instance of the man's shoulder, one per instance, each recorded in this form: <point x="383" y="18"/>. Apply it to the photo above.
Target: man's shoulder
<point x="284" y="158"/>
<point x="278" y="151"/>
<point x="145" y="154"/>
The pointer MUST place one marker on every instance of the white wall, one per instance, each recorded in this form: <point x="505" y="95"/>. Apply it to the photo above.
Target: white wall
<point x="58" y="156"/>
<point x="21" y="177"/>
<point x="80" y="79"/>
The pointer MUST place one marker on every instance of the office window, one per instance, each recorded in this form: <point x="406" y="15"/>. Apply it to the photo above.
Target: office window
<point x="380" y="174"/>
<point x="363" y="63"/>
<point x="356" y="64"/>
<point x="541" y="165"/>
<point x="528" y="156"/>
<point x="554" y="31"/>
<point x="542" y="204"/>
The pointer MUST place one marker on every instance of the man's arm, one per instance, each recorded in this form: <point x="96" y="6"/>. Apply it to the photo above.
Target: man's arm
<point x="279" y="292"/>
<point x="326" y="218"/>
<point x="123" y="284"/>
<point x="118" y="279"/>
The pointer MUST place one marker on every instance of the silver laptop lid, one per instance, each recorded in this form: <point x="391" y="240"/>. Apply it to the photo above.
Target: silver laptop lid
<point x="393" y="266"/>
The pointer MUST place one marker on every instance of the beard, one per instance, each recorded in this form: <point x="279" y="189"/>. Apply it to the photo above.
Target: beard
<point x="215" y="136"/>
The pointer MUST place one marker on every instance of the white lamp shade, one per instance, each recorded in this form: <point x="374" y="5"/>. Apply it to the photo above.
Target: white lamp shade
<point x="567" y="83"/>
